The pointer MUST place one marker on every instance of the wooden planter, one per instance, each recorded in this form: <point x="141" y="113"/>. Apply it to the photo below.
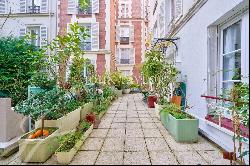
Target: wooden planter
<point x="126" y="91"/>
<point x="183" y="130"/>
<point x="66" y="157"/>
<point x="158" y="109"/>
<point x="86" y="109"/>
<point x="37" y="150"/>
<point x="65" y="123"/>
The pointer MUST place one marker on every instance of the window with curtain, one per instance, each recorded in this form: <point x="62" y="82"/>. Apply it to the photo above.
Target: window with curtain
<point x="231" y="56"/>
<point x="34" y="31"/>
<point x="125" y="56"/>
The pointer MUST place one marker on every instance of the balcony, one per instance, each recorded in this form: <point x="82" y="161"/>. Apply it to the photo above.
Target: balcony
<point x="33" y="9"/>
<point x="124" y="40"/>
<point x="125" y="61"/>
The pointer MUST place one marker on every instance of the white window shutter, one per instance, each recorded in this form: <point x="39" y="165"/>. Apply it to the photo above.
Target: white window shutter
<point x="117" y="56"/>
<point x="23" y="6"/>
<point x="132" y="34"/>
<point x="212" y="60"/>
<point x="22" y="32"/>
<point x="44" y="6"/>
<point x="43" y="36"/>
<point x="178" y="8"/>
<point x="3" y="7"/>
<point x="132" y="56"/>
<point x="95" y="6"/>
<point x="72" y="6"/>
<point x="95" y="36"/>
<point x="118" y="30"/>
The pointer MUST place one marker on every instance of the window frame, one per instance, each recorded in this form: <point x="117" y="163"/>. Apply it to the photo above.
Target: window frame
<point x="221" y="28"/>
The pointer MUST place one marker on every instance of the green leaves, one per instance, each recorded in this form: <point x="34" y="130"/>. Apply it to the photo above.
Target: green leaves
<point x="18" y="60"/>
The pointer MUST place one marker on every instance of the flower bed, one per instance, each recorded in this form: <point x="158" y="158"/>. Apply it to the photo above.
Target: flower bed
<point x="228" y="124"/>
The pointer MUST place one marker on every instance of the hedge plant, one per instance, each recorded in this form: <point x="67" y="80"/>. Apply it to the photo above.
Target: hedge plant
<point x="18" y="60"/>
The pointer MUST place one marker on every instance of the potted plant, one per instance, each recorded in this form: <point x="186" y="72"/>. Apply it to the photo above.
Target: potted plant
<point x="126" y="85"/>
<point x="183" y="127"/>
<point x="117" y="80"/>
<point x="36" y="147"/>
<point x="70" y="143"/>
<point x="152" y="70"/>
<point x="135" y="88"/>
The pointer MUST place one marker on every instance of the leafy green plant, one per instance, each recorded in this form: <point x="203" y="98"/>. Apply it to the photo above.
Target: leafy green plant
<point x="19" y="60"/>
<point x="175" y="111"/>
<point x="83" y="126"/>
<point x="42" y="80"/>
<point x="68" y="141"/>
<point x="117" y="79"/>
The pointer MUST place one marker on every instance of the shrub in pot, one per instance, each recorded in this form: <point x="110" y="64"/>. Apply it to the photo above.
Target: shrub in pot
<point x="117" y="80"/>
<point x="183" y="127"/>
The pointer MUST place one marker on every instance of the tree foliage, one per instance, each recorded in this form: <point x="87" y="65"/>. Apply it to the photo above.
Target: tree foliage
<point x="18" y="60"/>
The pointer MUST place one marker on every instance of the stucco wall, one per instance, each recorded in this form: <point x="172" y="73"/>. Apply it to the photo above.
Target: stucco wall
<point x="193" y="54"/>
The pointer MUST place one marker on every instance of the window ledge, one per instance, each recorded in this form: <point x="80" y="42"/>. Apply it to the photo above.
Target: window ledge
<point x="224" y="130"/>
<point x="27" y="14"/>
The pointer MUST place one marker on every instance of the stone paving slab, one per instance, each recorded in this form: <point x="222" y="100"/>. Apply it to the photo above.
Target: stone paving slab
<point x="131" y="134"/>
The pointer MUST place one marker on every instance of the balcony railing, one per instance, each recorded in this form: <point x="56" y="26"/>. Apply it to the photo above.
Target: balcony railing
<point x="124" y="40"/>
<point x="86" y="46"/>
<point x="125" y="61"/>
<point x="33" y="9"/>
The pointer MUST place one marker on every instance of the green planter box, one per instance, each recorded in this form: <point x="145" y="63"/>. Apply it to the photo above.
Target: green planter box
<point x="65" y="123"/>
<point x="66" y="157"/>
<point x="183" y="130"/>
<point x="37" y="150"/>
<point x="86" y="109"/>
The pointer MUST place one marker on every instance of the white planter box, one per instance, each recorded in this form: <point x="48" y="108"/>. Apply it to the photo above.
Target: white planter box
<point x="65" y="123"/>
<point x="37" y="150"/>
<point x="66" y="157"/>
<point x="126" y="91"/>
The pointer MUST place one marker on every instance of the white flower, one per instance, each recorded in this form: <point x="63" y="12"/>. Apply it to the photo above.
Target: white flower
<point x="99" y="91"/>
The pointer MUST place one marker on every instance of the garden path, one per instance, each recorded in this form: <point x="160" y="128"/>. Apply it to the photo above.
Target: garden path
<point x="131" y="134"/>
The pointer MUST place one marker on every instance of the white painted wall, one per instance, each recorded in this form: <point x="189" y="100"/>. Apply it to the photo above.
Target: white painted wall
<point x="193" y="52"/>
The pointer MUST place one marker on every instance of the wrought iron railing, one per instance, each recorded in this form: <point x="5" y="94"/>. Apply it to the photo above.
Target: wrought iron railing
<point x="33" y="9"/>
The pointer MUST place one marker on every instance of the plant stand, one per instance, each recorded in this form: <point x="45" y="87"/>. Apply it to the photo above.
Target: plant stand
<point x="37" y="150"/>
<point x="66" y="157"/>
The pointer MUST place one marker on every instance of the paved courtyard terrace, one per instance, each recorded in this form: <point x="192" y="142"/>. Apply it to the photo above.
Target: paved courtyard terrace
<point x="131" y="134"/>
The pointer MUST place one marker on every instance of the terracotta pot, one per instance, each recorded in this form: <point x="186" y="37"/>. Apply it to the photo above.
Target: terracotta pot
<point x="151" y="101"/>
<point x="229" y="156"/>
<point x="176" y="100"/>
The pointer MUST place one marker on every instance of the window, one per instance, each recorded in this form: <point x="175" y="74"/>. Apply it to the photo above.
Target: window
<point x="124" y="10"/>
<point x="86" y="9"/>
<point x="125" y="56"/>
<point x="231" y="55"/>
<point x="126" y="72"/>
<point x="34" y="6"/>
<point x="124" y="34"/>
<point x="86" y="43"/>
<point x="34" y="31"/>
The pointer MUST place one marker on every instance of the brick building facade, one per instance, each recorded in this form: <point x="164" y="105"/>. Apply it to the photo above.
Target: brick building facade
<point x="130" y="26"/>
<point x="96" y="18"/>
